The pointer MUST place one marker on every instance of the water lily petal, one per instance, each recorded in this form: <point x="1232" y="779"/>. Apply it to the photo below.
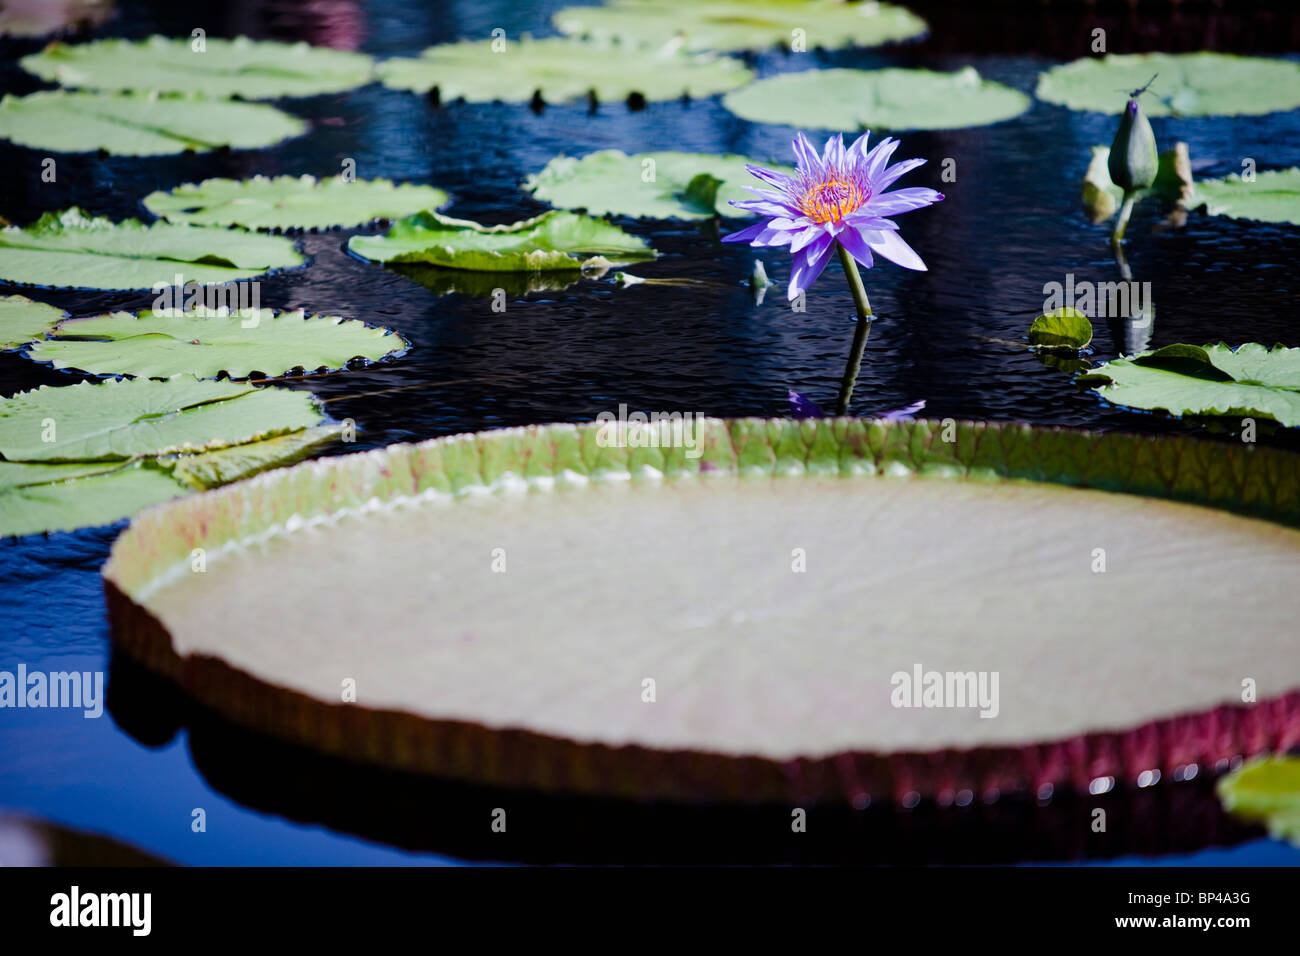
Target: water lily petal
<point x="855" y="152"/>
<point x="892" y="247"/>
<point x="833" y="154"/>
<point x="801" y="406"/>
<point x="806" y="237"/>
<point x="808" y="265"/>
<point x="902" y="200"/>
<point x="893" y="172"/>
<point x="746" y="234"/>
<point x="766" y="207"/>
<point x="875" y="160"/>
<point x="779" y="180"/>
<point x="806" y="155"/>
<point x="856" y="246"/>
<point x="866" y="219"/>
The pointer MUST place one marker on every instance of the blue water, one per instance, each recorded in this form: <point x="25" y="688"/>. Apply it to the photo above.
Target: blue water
<point x="1010" y="224"/>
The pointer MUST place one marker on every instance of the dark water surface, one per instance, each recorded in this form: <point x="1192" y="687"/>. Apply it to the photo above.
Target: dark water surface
<point x="1010" y="224"/>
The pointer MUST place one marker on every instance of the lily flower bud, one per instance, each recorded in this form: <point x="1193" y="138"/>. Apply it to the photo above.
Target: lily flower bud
<point x="1133" y="159"/>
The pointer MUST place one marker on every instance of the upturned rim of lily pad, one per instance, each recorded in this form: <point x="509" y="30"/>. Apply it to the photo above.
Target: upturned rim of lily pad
<point x="1262" y="482"/>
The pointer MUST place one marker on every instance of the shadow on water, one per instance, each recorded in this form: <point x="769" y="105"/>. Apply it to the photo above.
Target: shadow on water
<point x="420" y="813"/>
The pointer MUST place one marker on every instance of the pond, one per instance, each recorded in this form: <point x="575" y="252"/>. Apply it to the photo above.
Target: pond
<point x="952" y="337"/>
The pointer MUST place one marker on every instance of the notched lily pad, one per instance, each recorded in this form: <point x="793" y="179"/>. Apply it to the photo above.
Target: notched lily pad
<point x="72" y="250"/>
<point x="134" y="418"/>
<point x="291" y="202"/>
<point x="892" y="99"/>
<point x="742" y="24"/>
<point x="1187" y="84"/>
<point x="1065" y="329"/>
<point x="23" y="321"/>
<point x="560" y="70"/>
<point x="1251" y="381"/>
<point x="89" y="454"/>
<point x="553" y="241"/>
<point x="1266" y="789"/>
<point x="660" y="185"/>
<point x="206" y="343"/>
<point x="140" y="124"/>
<point x="251" y="69"/>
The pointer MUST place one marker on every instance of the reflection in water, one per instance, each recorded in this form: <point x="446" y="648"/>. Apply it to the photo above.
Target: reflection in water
<point x="415" y="812"/>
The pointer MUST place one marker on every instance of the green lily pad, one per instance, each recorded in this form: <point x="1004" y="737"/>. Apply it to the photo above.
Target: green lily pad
<point x="1213" y="380"/>
<point x="1266" y="789"/>
<point x="135" y="418"/>
<point x="140" y="124"/>
<point x="23" y="321"/>
<point x="1272" y="196"/>
<point x="1187" y="84"/>
<point x="206" y="344"/>
<point x="38" y="18"/>
<point x="62" y="497"/>
<point x="70" y="250"/>
<point x="1064" y="328"/>
<point x="1102" y="198"/>
<point x="291" y="202"/>
<point x="742" y="24"/>
<point x="552" y="241"/>
<point x="610" y="182"/>
<point x="250" y="69"/>
<point x="770" y="679"/>
<point x="892" y="99"/>
<point x="560" y="70"/>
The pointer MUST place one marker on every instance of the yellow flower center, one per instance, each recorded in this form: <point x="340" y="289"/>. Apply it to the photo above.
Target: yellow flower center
<point x="831" y="201"/>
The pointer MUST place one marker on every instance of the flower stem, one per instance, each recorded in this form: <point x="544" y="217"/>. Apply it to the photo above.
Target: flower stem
<point x="1125" y="211"/>
<point x="859" y="334"/>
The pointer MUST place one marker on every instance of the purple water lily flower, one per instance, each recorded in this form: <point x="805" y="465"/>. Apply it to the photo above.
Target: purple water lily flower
<point x="838" y="197"/>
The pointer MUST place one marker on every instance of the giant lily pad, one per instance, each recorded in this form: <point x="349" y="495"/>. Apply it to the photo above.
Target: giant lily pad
<point x="1252" y="381"/>
<point x="23" y="321"/>
<point x="1272" y="196"/>
<point x="553" y="241"/>
<point x="121" y="420"/>
<point x="662" y="185"/>
<point x="1187" y="84"/>
<point x="251" y="69"/>
<point x="742" y="24"/>
<point x="795" y="669"/>
<point x="206" y="344"/>
<point x="291" y="202"/>
<point x="892" y="99"/>
<point x="71" y="250"/>
<point x="560" y="70"/>
<point x="1266" y="789"/>
<point x="140" y="124"/>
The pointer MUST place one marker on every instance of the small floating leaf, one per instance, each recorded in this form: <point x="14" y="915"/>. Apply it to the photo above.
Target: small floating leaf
<point x="70" y="250"/>
<point x="206" y="344"/>
<point x="291" y="202"/>
<point x="1252" y="381"/>
<point x="133" y="418"/>
<point x="551" y="241"/>
<point x="1065" y="328"/>
<point x="742" y="24"/>
<point x="23" y="321"/>
<point x="1266" y="789"/>
<point x="77" y="502"/>
<point x="662" y="185"/>
<point x="892" y="99"/>
<point x="1272" y="196"/>
<point x="139" y="124"/>
<point x="250" y="69"/>
<point x="1188" y="84"/>
<point x="560" y="70"/>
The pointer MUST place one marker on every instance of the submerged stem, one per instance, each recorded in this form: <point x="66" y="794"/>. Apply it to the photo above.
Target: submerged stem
<point x="859" y="334"/>
<point x="1125" y="211"/>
